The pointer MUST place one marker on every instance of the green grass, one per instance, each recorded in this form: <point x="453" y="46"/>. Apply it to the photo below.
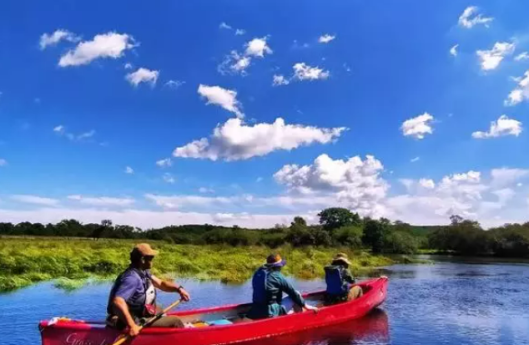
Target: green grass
<point x="72" y="263"/>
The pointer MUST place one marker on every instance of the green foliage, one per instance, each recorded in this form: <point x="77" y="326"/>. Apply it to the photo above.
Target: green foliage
<point x="337" y="217"/>
<point x="72" y="262"/>
<point x="374" y="233"/>
<point x="350" y="236"/>
<point x="398" y="242"/>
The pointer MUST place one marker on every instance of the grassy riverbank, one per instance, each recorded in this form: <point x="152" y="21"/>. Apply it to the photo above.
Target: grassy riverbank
<point x="73" y="261"/>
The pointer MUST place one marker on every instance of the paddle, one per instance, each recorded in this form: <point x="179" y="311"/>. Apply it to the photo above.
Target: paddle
<point x="149" y="322"/>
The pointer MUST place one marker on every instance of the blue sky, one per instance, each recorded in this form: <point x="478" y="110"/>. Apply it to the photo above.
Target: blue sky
<point x="167" y="113"/>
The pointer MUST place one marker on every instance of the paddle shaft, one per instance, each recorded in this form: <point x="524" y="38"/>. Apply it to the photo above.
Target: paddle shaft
<point x="149" y="322"/>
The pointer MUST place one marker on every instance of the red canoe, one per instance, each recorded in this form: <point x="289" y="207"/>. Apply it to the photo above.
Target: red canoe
<point x="221" y="325"/>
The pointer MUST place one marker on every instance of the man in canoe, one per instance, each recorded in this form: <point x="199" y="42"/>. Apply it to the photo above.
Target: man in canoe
<point x="268" y="287"/>
<point x="133" y="295"/>
<point x="338" y="277"/>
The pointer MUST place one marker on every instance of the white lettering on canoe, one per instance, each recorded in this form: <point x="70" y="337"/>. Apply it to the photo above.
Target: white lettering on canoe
<point x="72" y="339"/>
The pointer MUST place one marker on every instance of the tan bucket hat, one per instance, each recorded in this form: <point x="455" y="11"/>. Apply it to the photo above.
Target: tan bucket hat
<point x="144" y="249"/>
<point x="341" y="257"/>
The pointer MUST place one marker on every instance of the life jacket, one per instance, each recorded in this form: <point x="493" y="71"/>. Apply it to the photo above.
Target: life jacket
<point x="260" y="294"/>
<point x="334" y="280"/>
<point x="140" y="304"/>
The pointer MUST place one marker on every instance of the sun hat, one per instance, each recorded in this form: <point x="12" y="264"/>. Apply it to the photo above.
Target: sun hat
<point x="341" y="257"/>
<point x="143" y="249"/>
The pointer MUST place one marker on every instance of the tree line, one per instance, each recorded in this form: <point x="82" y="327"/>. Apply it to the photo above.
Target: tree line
<point x="337" y="227"/>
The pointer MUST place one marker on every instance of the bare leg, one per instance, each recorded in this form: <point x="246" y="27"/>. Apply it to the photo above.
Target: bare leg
<point x="354" y="293"/>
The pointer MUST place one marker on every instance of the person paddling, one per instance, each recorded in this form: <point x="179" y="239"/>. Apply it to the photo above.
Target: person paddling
<point x="338" y="277"/>
<point x="268" y="287"/>
<point x="133" y="295"/>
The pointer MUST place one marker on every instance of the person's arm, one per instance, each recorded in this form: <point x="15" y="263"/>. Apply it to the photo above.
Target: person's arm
<point x="123" y="310"/>
<point x="168" y="286"/>
<point x="295" y="295"/>
<point x="348" y="277"/>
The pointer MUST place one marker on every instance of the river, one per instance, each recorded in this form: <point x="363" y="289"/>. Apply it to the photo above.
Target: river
<point x="470" y="303"/>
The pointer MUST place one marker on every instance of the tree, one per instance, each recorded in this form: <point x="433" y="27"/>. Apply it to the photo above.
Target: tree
<point x="337" y="217"/>
<point x="350" y="236"/>
<point x="374" y="233"/>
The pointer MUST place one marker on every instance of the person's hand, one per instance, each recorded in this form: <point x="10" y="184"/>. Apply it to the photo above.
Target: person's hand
<point x="184" y="294"/>
<point x="309" y="307"/>
<point x="134" y="330"/>
<point x="384" y="277"/>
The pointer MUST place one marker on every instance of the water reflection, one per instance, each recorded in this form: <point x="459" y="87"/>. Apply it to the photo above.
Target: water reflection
<point x="372" y="329"/>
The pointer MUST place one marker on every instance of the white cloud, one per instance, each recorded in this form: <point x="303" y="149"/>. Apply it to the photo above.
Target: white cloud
<point x="205" y="190"/>
<point x="164" y="162"/>
<point x="355" y="182"/>
<point x="502" y="177"/>
<point x="47" y="40"/>
<point x="143" y="75"/>
<point x="168" y="178"/>
<point x="235" y="63"/>
<point x="225" y="98"/>
<point x="223" y="25"/>
<point x="418" y="127"/>
<point x="280" y="80"/>
<point x="258" y="47"/>
<point x="502" y="127"/>
<point x="239" y="32"/>
<point x="128" y="65"/>
<point x="35" y="200"/>
<point x="235" y="140"/>
<point x="521" y="92"/>
<point x="491" y="59"/>
<point x="326" y="38"/>
<point x="302" y="71"/>
<point x="427" y="183"/>
<point x="470" y="17"/>
<point x="86" y="135"/>
<point x="453" y="50"/>
<point x="3" y="162"/>
<point x="415" y="159"/>
<point x="102" y="201"/>
<point x="129" y="170"/>
<point x="59" y="129"/>
<point x="174" y="84"/>
<point x="109" y="45"/>
<point x="522" y="56"/>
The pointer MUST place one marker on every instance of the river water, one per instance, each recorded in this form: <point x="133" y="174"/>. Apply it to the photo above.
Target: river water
<point x="472" y="303"/>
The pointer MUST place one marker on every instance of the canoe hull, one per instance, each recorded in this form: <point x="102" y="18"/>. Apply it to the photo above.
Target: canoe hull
<point x="72" y="333"/>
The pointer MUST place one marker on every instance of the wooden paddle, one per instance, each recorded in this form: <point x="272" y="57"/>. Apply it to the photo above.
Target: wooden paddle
<point x="149" y="322"/>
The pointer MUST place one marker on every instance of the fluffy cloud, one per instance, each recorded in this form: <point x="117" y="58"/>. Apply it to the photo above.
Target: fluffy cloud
<point x="164" y="162"/>
<point x="491" y="59"/>
<point x="47" y="40"/>
<point x="502" y="127"/>
<point x="507" y="176"/>
<point x="61" y="131"/>
<point x="326" y="38"/>
<point x="522" y="56"/>
<point x="143" y="75"/>
<point x="521" y="92"/>
<point x="355" y="182"/>
<point x="235" y="63"/>
<point x="470" y="17"/>
<point x="239" y="32"/>
<point x="35" y="200"/>
<point x="418" y="127"/>
<point x="257" y="47"/>
<point x="280" y="80"/>
<point x="225" y="98"/>
<point x="223" y="25"/>
<point x="453" y="50"/>
<point x="427" y="183"/>
<point x="129" y="170"/>
<point x="109" y="45"/>
<point x="102" y="201"/>
<point x="235" y="140"/>
<point x="302" y="71"/>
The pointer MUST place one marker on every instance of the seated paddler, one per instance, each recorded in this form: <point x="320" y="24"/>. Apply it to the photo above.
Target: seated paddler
<point x="269" y="284"/>
<point x="338" y="277"/>
<point x="132" y="299"/>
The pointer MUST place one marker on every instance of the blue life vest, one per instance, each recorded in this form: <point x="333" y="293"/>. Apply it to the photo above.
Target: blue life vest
<point x="260" y="295"/>
<point x="334" y="280"/>
<point x="138" y="301"/>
